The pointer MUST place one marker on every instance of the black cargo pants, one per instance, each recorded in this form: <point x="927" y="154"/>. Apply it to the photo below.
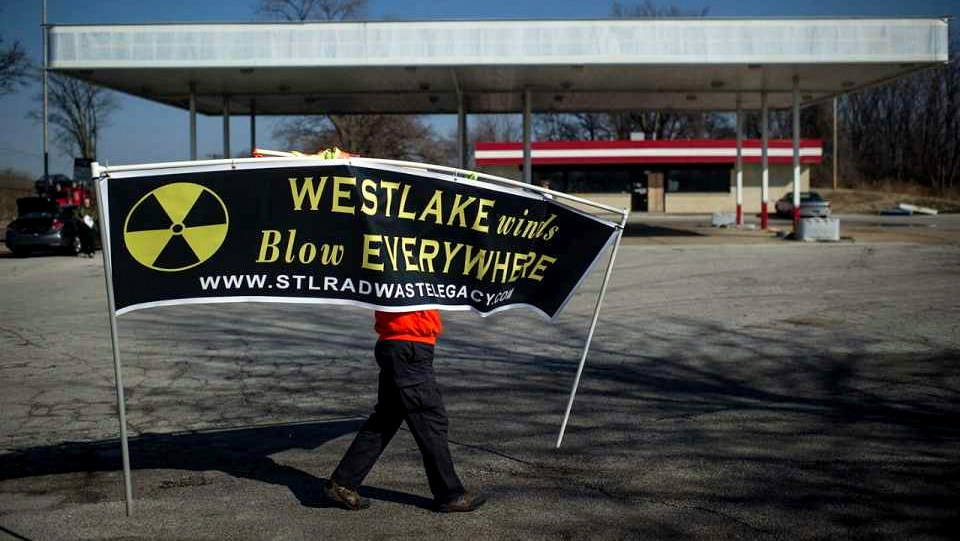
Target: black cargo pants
<point x="86" y="234"/>
<point x="407" y="392"/>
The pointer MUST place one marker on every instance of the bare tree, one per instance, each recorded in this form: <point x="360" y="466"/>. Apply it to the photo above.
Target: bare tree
<point x="78" y="111"/>
<point x="399" y="137"/>
<point x="658" y="125"/>
<point x="573" y="126"/>
<point x="779" y="124"/>
<point x="14" y="67"/>
<point x="649" y="10"/>
<point x="491" y="127"/>
<point x="906" y="130"/>
<point x="303" y="10"/>
<point x="496" y="127"/>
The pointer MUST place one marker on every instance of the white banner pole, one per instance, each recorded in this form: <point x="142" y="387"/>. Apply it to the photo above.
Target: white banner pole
<point x="593" y="326"/>
<point x="117" y="369"/>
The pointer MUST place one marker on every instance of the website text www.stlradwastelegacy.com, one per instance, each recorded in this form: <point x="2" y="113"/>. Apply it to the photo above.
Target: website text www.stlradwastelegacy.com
<point x="332" y="284"/>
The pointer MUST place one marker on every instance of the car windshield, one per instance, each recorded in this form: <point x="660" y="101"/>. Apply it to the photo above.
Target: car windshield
<point x="810" y="197"/>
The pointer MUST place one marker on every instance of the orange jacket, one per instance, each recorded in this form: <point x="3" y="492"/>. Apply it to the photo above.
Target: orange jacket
<point x="418" y="326"/>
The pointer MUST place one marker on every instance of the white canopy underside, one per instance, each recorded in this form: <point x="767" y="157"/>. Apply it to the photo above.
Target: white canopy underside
<point x="422" y="67"/>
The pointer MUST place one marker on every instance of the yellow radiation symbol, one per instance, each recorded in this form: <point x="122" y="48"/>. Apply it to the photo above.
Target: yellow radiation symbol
<point x="176" y="227"/>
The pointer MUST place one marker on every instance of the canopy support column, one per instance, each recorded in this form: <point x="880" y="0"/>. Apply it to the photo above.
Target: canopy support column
<point x="796" y="154"/>
<point x="527" y="151"/>
<point x="226" y="127"/>
<point x="764" y="162"/>
<point x="253" y="125"/>
<point x="461" y="131"/>
<point x="193" y="121"/>
<point x="739" y="167"/>
<point x="836" y="146"/>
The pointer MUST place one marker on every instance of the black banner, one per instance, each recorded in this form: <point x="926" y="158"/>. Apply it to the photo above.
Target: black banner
<point x="383" y="237"/>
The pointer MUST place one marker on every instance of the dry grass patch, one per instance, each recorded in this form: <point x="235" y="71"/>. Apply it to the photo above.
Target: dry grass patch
<point x="873" y="201"/>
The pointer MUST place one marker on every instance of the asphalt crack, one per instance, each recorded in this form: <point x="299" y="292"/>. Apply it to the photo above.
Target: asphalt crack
<point x="25" y="341"/>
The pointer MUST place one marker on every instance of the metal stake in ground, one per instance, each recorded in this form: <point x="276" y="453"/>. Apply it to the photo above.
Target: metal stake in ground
<point x="111" y="308"/>
<point x="593" y="326"/>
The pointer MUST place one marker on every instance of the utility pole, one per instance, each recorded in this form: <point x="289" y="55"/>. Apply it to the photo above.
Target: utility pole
<point x="43" y="45"/>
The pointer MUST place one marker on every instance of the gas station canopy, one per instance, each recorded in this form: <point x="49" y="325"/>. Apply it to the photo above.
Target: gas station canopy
<point x="486" y="66"/>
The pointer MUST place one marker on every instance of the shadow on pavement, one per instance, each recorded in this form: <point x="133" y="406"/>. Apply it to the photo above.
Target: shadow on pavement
<point x="243" y="453"/>
<point x="683" y="426"/>
<point x="647" y="230"/>
<point x="13" y="534"/>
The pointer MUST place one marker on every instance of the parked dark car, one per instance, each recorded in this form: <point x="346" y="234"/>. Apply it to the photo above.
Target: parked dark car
<point x="811" y="206"/>
<point x="42" y="225"/>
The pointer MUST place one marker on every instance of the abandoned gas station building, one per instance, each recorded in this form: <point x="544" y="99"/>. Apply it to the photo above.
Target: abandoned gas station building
<point x="525" y="66"/>
<point x="675" y="176"/>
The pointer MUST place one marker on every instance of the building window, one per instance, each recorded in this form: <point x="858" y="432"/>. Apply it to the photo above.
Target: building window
<point x="592" y="179"/>
<point x="698" y="179"/>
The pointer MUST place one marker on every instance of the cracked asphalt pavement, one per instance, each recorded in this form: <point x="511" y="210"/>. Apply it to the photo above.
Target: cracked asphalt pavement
<point x="734" y="391"/>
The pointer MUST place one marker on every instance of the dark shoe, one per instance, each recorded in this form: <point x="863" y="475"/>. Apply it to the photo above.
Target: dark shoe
<point x="345" y="497"/>
<point x="463" y="504"/>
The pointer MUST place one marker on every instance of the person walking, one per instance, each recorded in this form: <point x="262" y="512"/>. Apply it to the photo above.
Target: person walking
<point x="86" y="217"/>
<point x="407" y="391"/>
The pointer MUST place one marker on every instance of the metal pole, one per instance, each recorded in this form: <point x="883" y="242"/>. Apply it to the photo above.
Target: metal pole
<point x="739" y="167"/>
<point x="527" y="150"/>
<point x="593" y="325"/>
<point x="462" y="139"/>
<point x="461" y="132"/>
<point x="796" y="154"/>
<point x="193" y="121"/>
<point x="764" y="162"/>
<point x="465" y="149"/>
<point x="226" y="127"/>
<point x="253" y="125"/>
<point x="117" y="369"/>
<point x="836" y="146"/>
<point x="43" y="46"/>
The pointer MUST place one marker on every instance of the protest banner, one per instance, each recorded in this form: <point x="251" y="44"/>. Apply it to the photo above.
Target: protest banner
<point x="342" y="232"/>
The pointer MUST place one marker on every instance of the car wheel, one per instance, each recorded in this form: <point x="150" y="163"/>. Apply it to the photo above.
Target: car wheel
<point x="20" y="252"/>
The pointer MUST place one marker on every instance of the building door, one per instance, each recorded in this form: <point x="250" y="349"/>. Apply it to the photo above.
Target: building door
<point x="638" y="193"/>
<point x="655" y="198"/>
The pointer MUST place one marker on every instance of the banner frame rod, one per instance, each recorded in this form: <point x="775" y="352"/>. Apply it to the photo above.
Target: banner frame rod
<point x="359" y="161"/>
<point x="502" y="180"/>
<point x="115" y="342"/>
<point x="593" y="327"/>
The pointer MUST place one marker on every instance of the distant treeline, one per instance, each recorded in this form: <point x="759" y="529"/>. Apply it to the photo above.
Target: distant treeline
<point x="904" y="132"/>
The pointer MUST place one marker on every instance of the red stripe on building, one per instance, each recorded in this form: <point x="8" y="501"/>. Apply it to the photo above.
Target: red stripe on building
<point x="610" y="148"/>
<point x="606" y="160"/>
